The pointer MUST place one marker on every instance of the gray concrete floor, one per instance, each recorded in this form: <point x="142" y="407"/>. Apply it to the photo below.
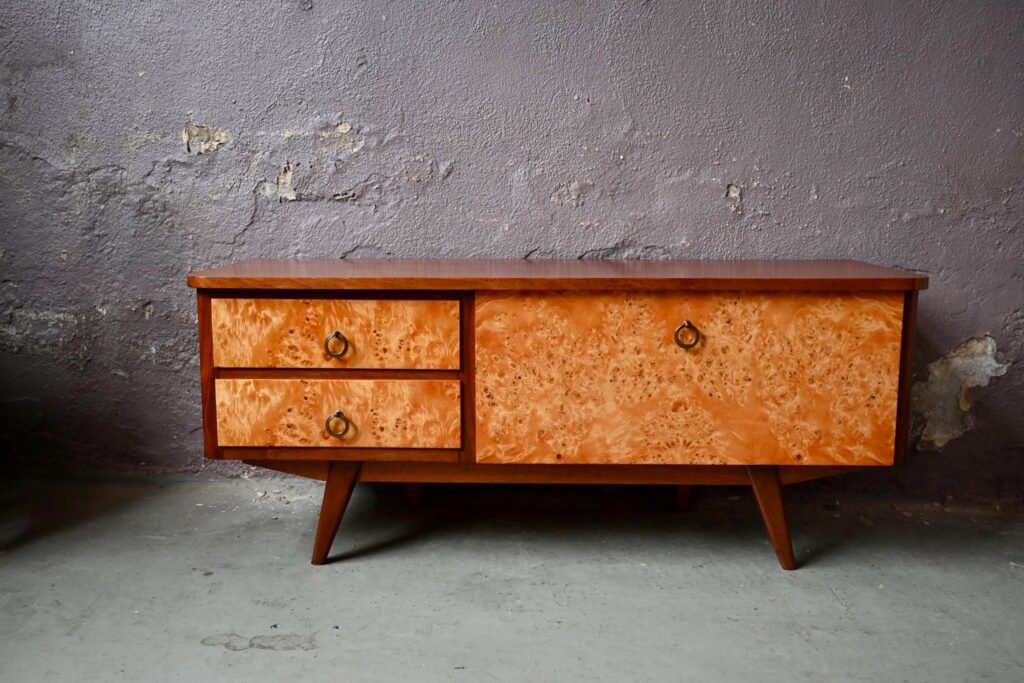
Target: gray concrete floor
<point x="190" y="581"/>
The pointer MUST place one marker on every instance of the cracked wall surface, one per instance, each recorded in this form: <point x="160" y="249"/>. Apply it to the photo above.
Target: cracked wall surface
<point x="137" y="144"/>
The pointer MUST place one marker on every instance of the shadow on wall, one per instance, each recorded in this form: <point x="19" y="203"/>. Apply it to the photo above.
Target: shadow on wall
<point x="121" y="416"/>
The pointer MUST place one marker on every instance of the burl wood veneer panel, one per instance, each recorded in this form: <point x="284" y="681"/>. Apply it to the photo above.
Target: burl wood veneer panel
<point x="383" y="413"/>
<point x="290" y="333"/>
<point x="779" y="379"/>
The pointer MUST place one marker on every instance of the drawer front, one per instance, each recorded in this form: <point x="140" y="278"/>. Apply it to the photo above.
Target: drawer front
<point x="380" y="413"/>
<point x="597" y="378"/>
<point x="291" y="333"/>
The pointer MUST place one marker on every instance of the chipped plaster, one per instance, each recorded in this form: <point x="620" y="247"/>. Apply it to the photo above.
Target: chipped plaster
<point x="200" y="139"/>
<point x="943" y="400"/>
<point x="280" y="189"/>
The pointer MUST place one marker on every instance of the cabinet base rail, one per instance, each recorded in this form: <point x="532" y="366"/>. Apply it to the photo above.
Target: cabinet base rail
<point x="766" y="482"/>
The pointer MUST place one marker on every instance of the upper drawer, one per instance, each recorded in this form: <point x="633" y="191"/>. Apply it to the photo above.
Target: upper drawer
<point x="297" y="333"/>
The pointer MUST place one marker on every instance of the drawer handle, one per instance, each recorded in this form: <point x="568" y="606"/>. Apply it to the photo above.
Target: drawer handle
<point x="344" y="344"/>
<point x="338" y="416"/>
<point x="687" y="326"/>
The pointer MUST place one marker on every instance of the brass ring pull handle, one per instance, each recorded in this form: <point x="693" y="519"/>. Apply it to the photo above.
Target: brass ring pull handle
<point x="338" y="416"/>
<point x="344" y="344"/>
<point x="687" y="326"/>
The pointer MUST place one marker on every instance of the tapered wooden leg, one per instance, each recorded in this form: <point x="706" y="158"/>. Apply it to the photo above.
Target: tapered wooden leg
<point x="684" y="498"/>
<point x="768" y="492"/>
<point x="341" y="480"/>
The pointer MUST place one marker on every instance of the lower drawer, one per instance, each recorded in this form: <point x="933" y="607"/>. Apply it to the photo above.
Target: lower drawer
<point x="339" y="413"/>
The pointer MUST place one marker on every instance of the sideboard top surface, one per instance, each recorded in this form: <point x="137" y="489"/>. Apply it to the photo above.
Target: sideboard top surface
<point x="509" y="274"/>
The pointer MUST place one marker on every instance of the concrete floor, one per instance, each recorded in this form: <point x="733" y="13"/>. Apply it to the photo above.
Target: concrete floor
<point x="192" y="581"/>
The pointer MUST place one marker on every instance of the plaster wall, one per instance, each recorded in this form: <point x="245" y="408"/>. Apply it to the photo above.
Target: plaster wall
<point x="141" y="140"/>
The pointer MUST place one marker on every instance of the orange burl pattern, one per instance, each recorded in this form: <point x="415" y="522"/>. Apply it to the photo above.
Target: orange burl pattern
<point x="777" y="379"/>
<point x="383" y="413"/>
<point x="290" y="333"/>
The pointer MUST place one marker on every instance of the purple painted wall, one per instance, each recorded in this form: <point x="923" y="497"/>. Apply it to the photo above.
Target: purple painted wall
<point x="139" y="141"/>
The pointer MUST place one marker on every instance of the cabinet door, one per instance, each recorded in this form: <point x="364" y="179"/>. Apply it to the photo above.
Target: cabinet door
<point x="774" y="378"/>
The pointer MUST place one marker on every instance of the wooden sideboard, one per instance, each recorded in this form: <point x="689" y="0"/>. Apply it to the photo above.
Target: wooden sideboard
<point x="758" y="373"/>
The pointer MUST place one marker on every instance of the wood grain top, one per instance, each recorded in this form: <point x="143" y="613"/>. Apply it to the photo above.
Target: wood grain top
<point x="508" y="274"/>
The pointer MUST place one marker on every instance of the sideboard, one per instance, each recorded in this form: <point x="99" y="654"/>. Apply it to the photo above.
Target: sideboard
<point x="756" y="373"/>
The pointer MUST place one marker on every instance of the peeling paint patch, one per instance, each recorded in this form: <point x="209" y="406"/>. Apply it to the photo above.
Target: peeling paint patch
<point x="571" y="194"/>
<point x="943" y="400"/>
<point x="200" y="139"/>
<point x="734" y="195"/>
<point x="281" y="189"/>
<point x="426" y="170"/>
<point x="343" y="135"/>
<point x="40" y="329"/>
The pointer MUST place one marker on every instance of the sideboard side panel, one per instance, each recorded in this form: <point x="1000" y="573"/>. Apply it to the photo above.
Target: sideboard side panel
<point x="778" y="378"/>
<point x="206" y="377"/>
<point x="906" y="371"/>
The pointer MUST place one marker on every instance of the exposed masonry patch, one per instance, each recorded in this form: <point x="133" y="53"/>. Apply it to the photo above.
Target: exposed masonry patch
<point x="943" y="400"/>
<point x="734" y="195"/>
<point x="281" y="189"/>
<point x="200" y="139"/>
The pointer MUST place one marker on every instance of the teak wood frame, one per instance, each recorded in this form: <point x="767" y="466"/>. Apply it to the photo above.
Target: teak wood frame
<point x="342" y="468"/>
